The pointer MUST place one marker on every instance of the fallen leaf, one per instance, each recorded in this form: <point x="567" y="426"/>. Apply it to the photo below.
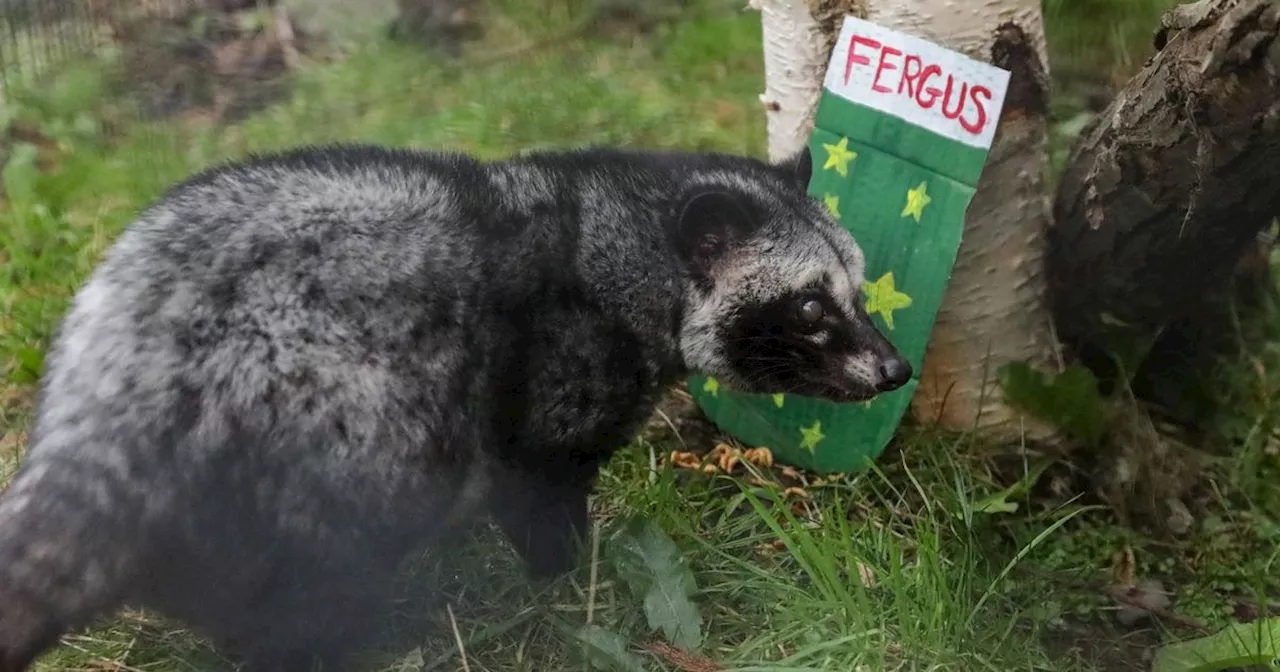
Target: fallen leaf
<point x="866" y="575"/>
<point x="1242" y="646"/>
<point x="1124" y="568"/>
<point x="1180" y="521"/>
<point x="1142" y="600"/>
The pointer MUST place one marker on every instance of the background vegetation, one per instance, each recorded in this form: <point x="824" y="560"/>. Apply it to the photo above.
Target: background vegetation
<point x="952" y="555"/>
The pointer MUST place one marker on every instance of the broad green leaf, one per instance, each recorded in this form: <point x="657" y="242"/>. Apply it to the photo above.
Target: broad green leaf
<point x="649" y="562"/>
<point x="669" y="608"/>
<point x="1239" y="646"/>
<point x="1069" y="400"/>
<point x="997" y="503"/>
<point x="608" y="649"/>
<point x="1000" y="502"/>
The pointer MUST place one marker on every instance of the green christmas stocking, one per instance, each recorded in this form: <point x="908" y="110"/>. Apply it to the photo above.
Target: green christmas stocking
<point x="902" y="131"/>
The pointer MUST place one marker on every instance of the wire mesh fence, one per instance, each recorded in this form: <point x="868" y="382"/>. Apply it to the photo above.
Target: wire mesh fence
<point x="39" y="36"/>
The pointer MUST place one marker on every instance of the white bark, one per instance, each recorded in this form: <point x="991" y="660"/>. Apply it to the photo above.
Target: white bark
<point x="794" y="64"/>
<point x="967" y="27"/>
<point x="995" y="310"/>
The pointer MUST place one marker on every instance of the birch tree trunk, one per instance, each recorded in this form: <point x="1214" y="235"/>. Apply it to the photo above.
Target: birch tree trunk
<point x="794" y="65"/>
<point x="995" y="310"/>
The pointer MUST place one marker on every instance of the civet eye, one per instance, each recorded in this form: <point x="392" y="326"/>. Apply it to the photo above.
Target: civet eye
<point x="810" y="311"/>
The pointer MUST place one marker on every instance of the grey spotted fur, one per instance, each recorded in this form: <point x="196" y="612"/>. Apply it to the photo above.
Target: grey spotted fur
<point x="289" y="373"/>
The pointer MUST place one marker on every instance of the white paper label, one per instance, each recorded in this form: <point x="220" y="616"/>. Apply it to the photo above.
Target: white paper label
<point x="918" y="81"/>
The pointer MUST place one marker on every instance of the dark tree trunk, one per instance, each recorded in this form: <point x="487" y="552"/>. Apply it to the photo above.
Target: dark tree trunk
<point x="1172" y="183"/>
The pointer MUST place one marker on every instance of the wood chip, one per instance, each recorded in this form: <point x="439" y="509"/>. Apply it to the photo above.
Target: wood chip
<point x="727" y="461"/>
<point x="685" y="460"/>
<point x="761" y="457"/>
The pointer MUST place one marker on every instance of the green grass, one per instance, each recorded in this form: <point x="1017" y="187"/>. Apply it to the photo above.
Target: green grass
<point x="898" y="569"/>
<point x="1102" y="39"/>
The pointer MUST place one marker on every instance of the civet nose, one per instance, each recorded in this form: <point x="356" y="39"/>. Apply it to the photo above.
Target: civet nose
<point x="894" y="373"/>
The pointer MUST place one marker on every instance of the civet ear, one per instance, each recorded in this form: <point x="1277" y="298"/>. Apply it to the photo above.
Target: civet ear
<point x="799" y="168"/>
<point x="709" y="225"/>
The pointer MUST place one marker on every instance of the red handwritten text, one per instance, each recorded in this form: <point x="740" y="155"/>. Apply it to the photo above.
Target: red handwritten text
<point x="924" y="83"/>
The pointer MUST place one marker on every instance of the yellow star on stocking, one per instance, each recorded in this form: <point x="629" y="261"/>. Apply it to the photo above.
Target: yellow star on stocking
<point x="778" y="400"/>
<point x="833" y="204"/>
<point x="884" y="298"/>
<point x="916" y="200"/>
<point x="812" y="436"/>
<point x="838" y="156"/>
<point x="712" y="387"/>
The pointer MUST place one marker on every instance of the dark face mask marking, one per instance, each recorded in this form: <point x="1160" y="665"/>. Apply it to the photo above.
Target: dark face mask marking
<point x="773" y="348"/>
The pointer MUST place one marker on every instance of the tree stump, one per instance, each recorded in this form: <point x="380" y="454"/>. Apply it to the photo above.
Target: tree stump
<point x="1172" y="183"/>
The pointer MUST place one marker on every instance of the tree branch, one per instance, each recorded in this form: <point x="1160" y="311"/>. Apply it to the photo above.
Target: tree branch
<point x="1168" y="187"/>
